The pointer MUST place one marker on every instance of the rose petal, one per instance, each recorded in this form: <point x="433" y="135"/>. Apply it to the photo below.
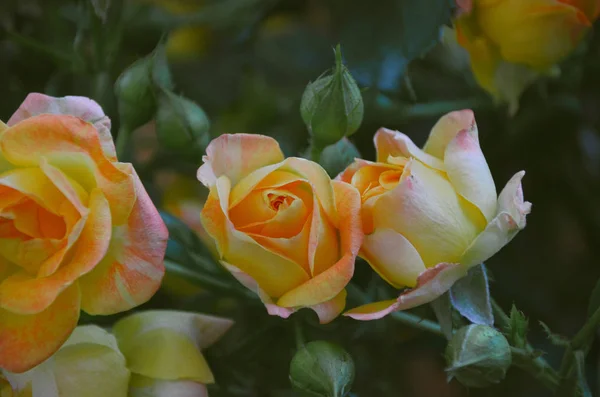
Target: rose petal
<point x="591" y="8"/>
<point x="132" y="270"/>
<point x="469" y="173"/>
<point x="395" y="144"/>
<point x="393" y="257"/>
<point x="328" y="311"/>
<point x="237" y="155"/>
<point x="426" y="210"/>
<point x="373" y="311"/>
<point x="73" y="146"/>
<point x="447" y="127"/>
<point x="504" y="227"/>
<point x="77" y="106"/>
<point x="332" y="281"/>
<point x="27" y="340"/>
<point x="141" y="386"/>
<point x="166" y="344"/>
<point x="25" y="294"/>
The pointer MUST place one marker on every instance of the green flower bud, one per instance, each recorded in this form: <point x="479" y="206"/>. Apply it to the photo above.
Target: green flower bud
<point x="322" y="369"/>
<point x="181" y="124"/>
<point x="332" y="107"/>
<point x="135" y="88"/>
<point x="478" y="356"/>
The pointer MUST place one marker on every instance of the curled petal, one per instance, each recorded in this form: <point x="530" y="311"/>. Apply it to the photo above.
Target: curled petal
<point x="237" y="155"/>
<point x="132" y="269"/>
<point x="78" y="106"/>
<point x="332" y="281"/>
<point x="591" y="8"/>
<point x="27" y="340"/>
<point x="446" y="129"/>
<point x="469" y="173"/>
<point x="395" y="144"/>
<point x="328" y="311"/>
<point x="431" y="284"/>
<point x="504" y="227"/>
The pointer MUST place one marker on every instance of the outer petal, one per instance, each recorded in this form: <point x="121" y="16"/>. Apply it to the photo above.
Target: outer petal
<point x="329" y="310"/>
<point x="591" y="8"/>
<point x="446" y="129"/>
<point x="26" y="341"/>
<point x="431" y="284"/>
<point x="166" y="344"/>
<point x="425" y="209"/>
<point x="73" y="146"/>
<point x="141" y="386"/>
<point x="237" y="155"/>
<point x="393" y="257"/>
<point x="469" y="173"/>
<point x="78" y="106"/>
<point x="25" y="294"/>
<point x="512" y="211"/>
<point x="331" y="282"/>
<point x="396" y="144"/>
<point x="133" y="267"/>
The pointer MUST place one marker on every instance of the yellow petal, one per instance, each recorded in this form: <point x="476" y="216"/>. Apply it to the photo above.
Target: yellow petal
<point x="141" y="386"/>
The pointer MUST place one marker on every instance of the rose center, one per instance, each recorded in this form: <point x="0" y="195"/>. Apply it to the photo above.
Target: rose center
<point x="277" y="200"/>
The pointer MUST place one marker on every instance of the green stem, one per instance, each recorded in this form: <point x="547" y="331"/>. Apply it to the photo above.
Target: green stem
<point x="579" y="342"/>
<point x="40" y="48"/>
<point x="539" y="369"/>
<point x="121" y="143"/>
<point x="298" y="334"/>
<point x="315" y="152"/>
<point x="206" y="281"/>
<point x="417" y="322"/>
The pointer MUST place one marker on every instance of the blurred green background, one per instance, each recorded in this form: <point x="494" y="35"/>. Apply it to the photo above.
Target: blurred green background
<point x="247" y="62"/>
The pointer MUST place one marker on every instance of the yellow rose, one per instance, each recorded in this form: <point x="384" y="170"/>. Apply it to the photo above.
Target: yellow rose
<point x="281" y="226"/>
<point x="77" y="228"/>
<point x="431" y="214"/>
<point x="89" y="364"/>
<point x="163" y="351"/>
<point x="510" y="41"/>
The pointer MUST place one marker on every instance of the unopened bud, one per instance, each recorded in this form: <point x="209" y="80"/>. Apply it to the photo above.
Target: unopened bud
<point x="335" y="158"/>
<point x="332" y="106"/>
<point x="181" y="124"/>
<point x="478" y="356"/>
<point x="323" y="369"/>
<point x="136" y="86"/>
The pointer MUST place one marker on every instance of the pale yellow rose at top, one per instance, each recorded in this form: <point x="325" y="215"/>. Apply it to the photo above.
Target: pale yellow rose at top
<point x="429" y="215"/>
<point x="89" y="364"/>
<point x="511" y="41"/>
<point x="163" y="351"/>
<point x="77" y="228"/>
<point x="281" y="226"/>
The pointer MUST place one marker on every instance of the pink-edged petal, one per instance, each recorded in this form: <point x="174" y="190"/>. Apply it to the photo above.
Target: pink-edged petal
<point x="427" y="211"/>
<point x="250" y="283"/>
<point x="468" y="171"/>
<point x="373" y="311"/>
<point x="25" y="294"/>
<point x="78" y="106"/>
<point x="332" y="281"/>
<point x="504" y="227"/>
<point x="328" y="311"/>
<point x="132" y="270"/>
<point x="237" y="155"/>
<point x="431" y="284"/>
<point x="27" y="340"/>
<point x="393" y="257"/>
<point x="446" y="129"/>
<point x="395" y="144"/>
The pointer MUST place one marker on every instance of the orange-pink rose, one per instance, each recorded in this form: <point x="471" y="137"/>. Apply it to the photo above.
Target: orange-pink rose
<point x="77" y="228"/>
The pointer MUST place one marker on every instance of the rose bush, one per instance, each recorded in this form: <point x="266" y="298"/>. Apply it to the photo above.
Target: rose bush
<point x="429" y="215"/>
<point x="163" y="351"/>
<point x="281" y="226"/>
<point x="77" y="228"/>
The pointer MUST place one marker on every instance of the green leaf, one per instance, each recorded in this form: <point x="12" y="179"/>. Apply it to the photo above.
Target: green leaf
<point x="580" y="373"/>
<point x="594" y="299"/>
<point x="516" y="331"/>
<point x="471" y="297"/>
<point x="335" y="158"/>
<point x="555" y="339"/>
<point x="323" y="369"/>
